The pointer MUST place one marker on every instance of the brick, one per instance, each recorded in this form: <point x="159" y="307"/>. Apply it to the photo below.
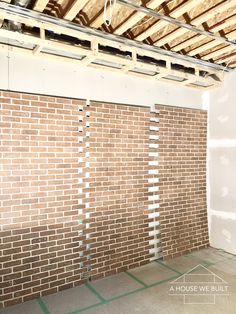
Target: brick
<point x="175" y="194"/>
<point x="43" y="147"/>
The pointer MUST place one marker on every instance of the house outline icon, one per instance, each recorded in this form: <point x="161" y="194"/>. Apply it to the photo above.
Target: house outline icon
<point x="216" y="280"/>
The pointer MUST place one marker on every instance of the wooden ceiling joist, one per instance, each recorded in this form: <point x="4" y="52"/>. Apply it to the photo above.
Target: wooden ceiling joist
<point x="221" y="7"/>
<point x="175" y="22"/>
<point x="59" y="26"/>
<point x="226" y="58"/>
<point x="136" y="17"/>
<point x="213" y="43"/>
<point x="74" y="9"/>
<point x="99" y="20"/>
<point x="131" y="21"/>
<point x="160" y="24"/>
<point x="217" y="53"/>
<point x="221" y="51"/>
<point x="100" y="58"/>
<point x="40" y="5"/>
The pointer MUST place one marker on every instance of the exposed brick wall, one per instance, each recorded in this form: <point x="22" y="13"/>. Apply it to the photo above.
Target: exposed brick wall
<point x="79" y="185"/>
<point x="42" y="195"/>
<point x="119" y="156"/>
<point x="182" y="176"/>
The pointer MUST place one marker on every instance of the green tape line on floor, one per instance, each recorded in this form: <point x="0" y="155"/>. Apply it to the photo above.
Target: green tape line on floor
<point x="103" y="301"/>
<point x="163" y="281"/>
<point x="43" y="306"/>
<point x="169" y="267"/>
<point x="86" y="308"/>
<point x="136" y="279"/>
<point x="97" y="294"/>
<point x="127" y="294"/>
<point x="142" y="289"/>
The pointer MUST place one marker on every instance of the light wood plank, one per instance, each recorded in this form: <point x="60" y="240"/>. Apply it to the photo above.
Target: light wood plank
<point x="196" y="21"/>
<point x="100" y="18"/>
<point x="202" y="48"/>
<point x="212" y="43"/>
<point x="38" y="48"/>
<point x="232" y="36"/>
<point x="76" y="6"/>
<point x="136" y="17"/>
<point x="188" y="42"/>
<point x="194" y="40"/>
<point x="40" y="5"/>
<point x="217" y="53"/>
<point x="160" y="24"/>
<point x="226" y="59"/>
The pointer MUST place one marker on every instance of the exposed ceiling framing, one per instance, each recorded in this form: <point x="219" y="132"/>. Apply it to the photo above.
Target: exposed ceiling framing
<point x="187" y="42"/>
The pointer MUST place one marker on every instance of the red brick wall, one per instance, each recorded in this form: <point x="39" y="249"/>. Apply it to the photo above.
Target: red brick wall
<point x="182" y="176"/>
<point x="75" y="194"/>
<point x="42" y="195"/>
<point x="119" y="163"/>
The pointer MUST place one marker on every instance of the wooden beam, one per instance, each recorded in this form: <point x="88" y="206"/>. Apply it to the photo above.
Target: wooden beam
<point x="65" y="59"/>
<point x="212" y="43"/>
<point x="215" y="54"/>
<point x="231" y="35"/>
<point x="233" y="64"/>
<point x="94" y="48"/>
<point x="59" y="26"/>
<point x="99" y="20"/>
<point x="218" y="52"/>
<point x="1" y="20"/>
<point x="136" y="17"/>
<point x="38" y="48"/>
<point x="164" y="72"/>
<point x="226" y="58"/>
<point x="59" y="4"/>
<point x="190" y="80"/>
<point x="223" y="6"/>
<point x="203" y="47"/>
<point x="74" y="9"/>
<point x="198" y="38"/>
<point x="132" y="20"/>
<point x="93" y="54"/>
<point x="160" y="24"/>
<point x="215" y="43"/>
<point x="42" y="42"/>
<point x="40" y="5"/>
<point x="132" y="64"/>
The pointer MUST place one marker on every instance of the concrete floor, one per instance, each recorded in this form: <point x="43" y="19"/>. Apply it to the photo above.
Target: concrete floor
<point x="147" y="289"/>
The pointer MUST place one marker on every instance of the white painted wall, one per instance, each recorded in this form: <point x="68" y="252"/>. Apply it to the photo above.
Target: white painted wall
<point x="222" y="165"/>
<point x="35" y="75"/>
